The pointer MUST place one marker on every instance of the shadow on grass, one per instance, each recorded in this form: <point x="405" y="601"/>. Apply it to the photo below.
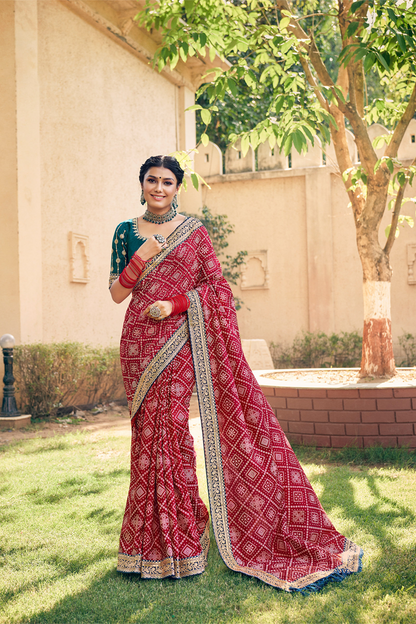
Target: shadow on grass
<point x="103" y="515"/>
<point x="381" y="513"/>
<point x="65" y="490"/>
<point x="351" y="455"/>
<point x="220" y="596"/>
<point x="6" y="515"/>
<point x="52" y="444"/>
<point x="64" y="566"/>
<point x="117" y="472"/>
<point x="76" y="486"/>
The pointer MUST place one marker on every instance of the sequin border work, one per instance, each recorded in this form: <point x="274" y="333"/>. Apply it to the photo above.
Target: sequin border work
<point x="178" y="236"/>
<point x="351" y="558"/>
<point x="178" y="568"/>
<point x="158" y="364"/>
<point x="137" y="234"/>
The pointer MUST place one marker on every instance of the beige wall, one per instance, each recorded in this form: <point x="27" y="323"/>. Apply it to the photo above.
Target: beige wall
<point x="268" y="214"/>
<point x="20" y="255"/>
<point x="81" y="110"/>
<point x="9" y="249"/>
<point x="103" y="114"/>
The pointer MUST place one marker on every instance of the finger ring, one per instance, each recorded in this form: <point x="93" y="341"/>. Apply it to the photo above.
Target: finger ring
<point x="160" y="239"/>
<point x="155" y="312"/>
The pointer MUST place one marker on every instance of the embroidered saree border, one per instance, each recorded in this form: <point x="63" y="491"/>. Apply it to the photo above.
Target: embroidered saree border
<point x="158" y="364"/>
<point x="135" y="564"/>
<point x="111" y="279"/>
<point x="351" y="558"/>
<point x="178" y="236"/>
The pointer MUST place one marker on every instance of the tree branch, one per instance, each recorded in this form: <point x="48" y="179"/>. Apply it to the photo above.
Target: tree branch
<point x="401" y="127"/>
<point x="359" y="88"/>
<point x="310" y="78"/>
<point x="394" y="220"/>
<point x="395" y="216"/>
<point x="343" y="156"/>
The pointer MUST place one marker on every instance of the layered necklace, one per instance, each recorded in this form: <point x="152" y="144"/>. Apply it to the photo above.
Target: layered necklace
<point x="164" y="218"/>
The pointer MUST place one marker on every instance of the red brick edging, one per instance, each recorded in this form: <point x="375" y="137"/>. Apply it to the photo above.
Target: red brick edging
<point x="346" y="417"/>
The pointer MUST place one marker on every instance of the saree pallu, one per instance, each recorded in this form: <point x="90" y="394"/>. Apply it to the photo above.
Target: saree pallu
<point x="267" y="520"/>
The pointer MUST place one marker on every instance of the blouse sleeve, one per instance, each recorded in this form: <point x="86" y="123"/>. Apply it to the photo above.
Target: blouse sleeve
<point x="118" y="252"/>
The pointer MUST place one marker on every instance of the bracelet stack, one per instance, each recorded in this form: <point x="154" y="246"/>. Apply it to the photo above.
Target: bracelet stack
<point x="132" y="272"/>
<point x="180" y="304"/>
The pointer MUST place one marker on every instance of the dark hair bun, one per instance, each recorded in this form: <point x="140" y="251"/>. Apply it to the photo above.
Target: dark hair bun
<point x="169" y="162"/>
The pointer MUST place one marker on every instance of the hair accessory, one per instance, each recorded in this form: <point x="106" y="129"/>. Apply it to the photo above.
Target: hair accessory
<point x="155" y="312"/>
<point x="164" y="218"/>
<point x="142" y="199"/>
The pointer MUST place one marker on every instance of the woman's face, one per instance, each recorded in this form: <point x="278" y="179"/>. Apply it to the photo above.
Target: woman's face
<point x="159" y="188"/>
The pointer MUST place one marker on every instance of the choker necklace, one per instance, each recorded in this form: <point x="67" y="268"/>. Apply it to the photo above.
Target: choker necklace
<point x="164" y="218"/>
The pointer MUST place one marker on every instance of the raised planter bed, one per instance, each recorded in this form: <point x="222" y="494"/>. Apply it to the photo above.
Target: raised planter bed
<point x="342" y="414"/>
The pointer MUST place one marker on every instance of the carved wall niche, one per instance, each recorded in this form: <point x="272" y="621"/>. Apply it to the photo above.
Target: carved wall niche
<point x="411" y="259"/>
<point x="255" y="271"/>
<point x="79" y="258"/>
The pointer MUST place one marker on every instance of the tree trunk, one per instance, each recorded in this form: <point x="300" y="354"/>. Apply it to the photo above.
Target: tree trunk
<point x="377" y="355"/>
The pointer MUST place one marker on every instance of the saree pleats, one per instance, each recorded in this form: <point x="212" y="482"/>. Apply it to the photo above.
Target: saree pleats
<point x="267" y="520"/>
<point x="165" y="526"/>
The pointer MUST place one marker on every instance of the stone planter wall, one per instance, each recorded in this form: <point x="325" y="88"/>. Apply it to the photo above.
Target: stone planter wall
<point x="336" y="417"/>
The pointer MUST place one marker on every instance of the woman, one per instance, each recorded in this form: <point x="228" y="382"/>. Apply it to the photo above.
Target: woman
<point x="180" y="330"/>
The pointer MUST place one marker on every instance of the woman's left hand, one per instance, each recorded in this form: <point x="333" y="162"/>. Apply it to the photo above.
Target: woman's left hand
<point x="165" y="308"/>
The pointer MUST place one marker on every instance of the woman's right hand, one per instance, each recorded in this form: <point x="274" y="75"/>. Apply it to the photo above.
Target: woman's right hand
<point x="150" y="248"/>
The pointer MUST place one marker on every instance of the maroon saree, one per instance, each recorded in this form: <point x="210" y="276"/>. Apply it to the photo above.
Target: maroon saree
<point x="266" y="518"/>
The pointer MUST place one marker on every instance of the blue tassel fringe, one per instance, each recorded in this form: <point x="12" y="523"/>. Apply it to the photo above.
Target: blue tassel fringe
<point x="338" y="575"/>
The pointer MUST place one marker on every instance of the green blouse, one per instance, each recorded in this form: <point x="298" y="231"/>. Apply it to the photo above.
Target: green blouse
<point x="126" y="241"/>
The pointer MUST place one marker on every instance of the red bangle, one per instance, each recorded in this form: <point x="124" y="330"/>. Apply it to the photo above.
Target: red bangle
<point x="180" y="304"/>
<point x="132" y="272"/>
<point x="126" y="281"/>
<point x="137" y="265"/>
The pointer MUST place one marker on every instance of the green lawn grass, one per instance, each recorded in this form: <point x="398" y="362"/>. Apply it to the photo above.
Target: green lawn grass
<point x="61" y="506"/>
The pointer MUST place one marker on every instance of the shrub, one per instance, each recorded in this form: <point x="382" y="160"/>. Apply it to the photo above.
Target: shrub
<point x="408" y="344"/>
<point x="319" y="350"/>
<point x="50" y="376"/>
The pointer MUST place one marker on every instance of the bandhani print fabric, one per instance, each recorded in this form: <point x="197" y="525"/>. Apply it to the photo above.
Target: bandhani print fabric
<point x="267" y="520"/>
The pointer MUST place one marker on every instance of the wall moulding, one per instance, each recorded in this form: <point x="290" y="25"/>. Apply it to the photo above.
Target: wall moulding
<point x="255" y="272"/>
<point x="79" y="258"/>
<point x="411" y="258"/>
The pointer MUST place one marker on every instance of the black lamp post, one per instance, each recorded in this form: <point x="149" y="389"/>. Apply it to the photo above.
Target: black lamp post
<point x="9" y="407"/>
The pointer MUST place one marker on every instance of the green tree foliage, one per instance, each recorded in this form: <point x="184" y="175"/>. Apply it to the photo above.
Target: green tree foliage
<point x="242" y="109"/>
